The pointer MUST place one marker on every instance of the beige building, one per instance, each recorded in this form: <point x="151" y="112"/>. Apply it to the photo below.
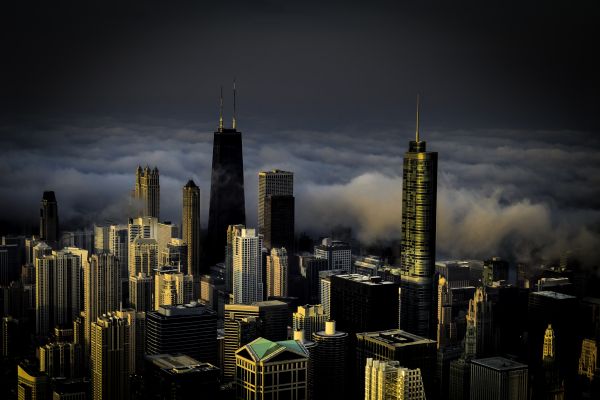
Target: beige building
<point x="32" y="384"/>
<point x="143" y="256"/>
<point x="309" y="318"/>
<point x="191" y="227"/>
<point x="387" y="380"/>
<point x="277" y="273"/>
<point x="588" y="361"/>
<point x="272" y="370"/>
<point x="172" y="288"/>
<point x="147" y="191"/>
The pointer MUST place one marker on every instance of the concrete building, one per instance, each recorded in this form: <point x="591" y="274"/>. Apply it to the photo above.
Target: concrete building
<point x="147" y="191"/>
<point x="172" y="287"/>
<point x="309" y="318"/>
<point x="337" y="253"/>
<point x="191" y="229"/>
<point x="32" y="384"/>
<point x="387" y="380"/>
<point x="247" y="267"/>
<point x="141" y="292"/>
<point x="277" y="183"/>
<point x="328" y="376"/>
<point x="498" y="378"/>
<point x="49" y="229"/>
<point x="277" y="273"/>
<point x="61" y="360"/>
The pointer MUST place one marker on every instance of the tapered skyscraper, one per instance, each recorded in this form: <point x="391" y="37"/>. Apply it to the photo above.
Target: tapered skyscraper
<point x="147" y="191"/>
<point x="49" y="219"/>
<point x="419" y="199"/>
<point x="227" y="201"/>
<point x="191" y="227"/>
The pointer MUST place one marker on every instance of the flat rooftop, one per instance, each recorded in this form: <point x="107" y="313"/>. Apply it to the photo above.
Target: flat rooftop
<point x="553" y="295"/>
<point x="184" y="309"/>
<point x="364" y="279"/>
<point x="499" y="363"/>
<point x="396" y="337"/>
<point x="179" y="363"/>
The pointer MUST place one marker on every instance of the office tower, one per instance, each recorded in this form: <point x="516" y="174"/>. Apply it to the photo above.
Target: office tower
<point x="272" y="324"/>
<point x="279" y="222"/>
<point x="175" y="255"/>
<point x="387" y="380"/>
<point x="10" y="263"/>
<point x="101" y="288"/>
<point x="337" y="253"/>
<point x="109" y="357"/>
<point x="178" y="377"/>
<point x="57" y="288"/>
<point x="419" y="200"/>
<point x="547" y="381"/>
<point x="368" y="265"/>
<point x="118" y="245"/>
<point x="232" y="232"/>
<point x="137" y="337"/>
<point x="140" y="292"/>
<point x="247" y="267"/>
<point x="309" y="318"/>
<point x="276" y="183"/>
<point x="411" y="351"/>
<point x="209" y="292"/>
<point x="147" y="191"/>
<point x="328" y="361"/>
<point x="143" y="256"/>
<point x="498" y="378"/>
<point x="101" y="238"/>
<point x="172" y="287"/>
<point x="446" y="328"/>
<point x="61" y="360"/>
<point x="150" y="228"/>
<point x="495" y="269"/>
<point x="456" y="272"/>
<point x="227" y="201"/>
<point x="82" y="239"/>
<point x="277" y="273"/>
<point x="49" y="219"/>
<point x="588" y="360"/>
<point x="32" y="384"/>
<point x="278" y="369"/>
<point x="191" y="228"/>
<point x="190" y="329"/>
<point x="310" y="267"/>
<point x="10" y="336"/>
<point x="325" y="288"/>
<point x="360" y="303"/>
<point x="478" y="339"/>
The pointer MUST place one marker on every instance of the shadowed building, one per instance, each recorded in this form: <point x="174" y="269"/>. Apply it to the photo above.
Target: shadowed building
<point x="49" y="219"/>
<point x="279" y="222"/>
<point x="147" y="191"/>
<point x="227" y="201"/>
<point x="498" y="378"/>
<point x="419" y="200"/>
<point x="191" y="228"/>
<point x="328" y="376"/>
<point x="276" y="183"/>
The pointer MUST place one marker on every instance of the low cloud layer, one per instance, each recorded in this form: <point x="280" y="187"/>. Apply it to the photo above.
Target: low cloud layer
<point x="527" y="195"/>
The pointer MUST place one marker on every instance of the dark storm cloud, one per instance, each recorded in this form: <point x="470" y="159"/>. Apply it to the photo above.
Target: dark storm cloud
<point x="498" y="192"/>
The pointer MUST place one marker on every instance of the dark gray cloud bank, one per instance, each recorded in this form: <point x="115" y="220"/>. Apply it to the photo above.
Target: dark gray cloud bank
<point x="525" y="194"/>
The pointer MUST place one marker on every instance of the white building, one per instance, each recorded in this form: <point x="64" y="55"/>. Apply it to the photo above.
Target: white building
<point x="387" y="380"/>
<point x="247" y="267"/>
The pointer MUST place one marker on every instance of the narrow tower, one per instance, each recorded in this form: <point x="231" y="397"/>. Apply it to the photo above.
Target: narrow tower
<point x="191" y="227"/>
<point x="227" y="201"/>
<point x="419" y="199"/>
<point x="49" y="219"/>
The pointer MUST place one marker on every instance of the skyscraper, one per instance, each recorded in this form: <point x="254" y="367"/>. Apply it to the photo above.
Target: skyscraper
<point x="279" y="222"/>
<point x="109" y="357"/>
<point x="419" y="200"/>
<point x="143" y="256"/>
<point x="309" y="318"/>
<point x="387" y="380"/>
<point x="191" y="228"/>
<point x="247" y="267"/>
<point x="147" y="191"/>
<point x="275" y="182"/>
<point x="232" y="232"/>
<point x="498" y="378"/>
<point x="32" y="384"/>
<point x="101" y="288"/>
<point x="140" y="292"/>
<point x="49" y="219"/>
<point x="227" y="201"/>
<point x="278" y="369"/>
<point x="172" y="287"/>
<point x="328" y="360"/>
<point x="337" y="253"/>
<point x="478" y="339"/>
<point x="277" y="273"/>
<point x="61" y="360"/>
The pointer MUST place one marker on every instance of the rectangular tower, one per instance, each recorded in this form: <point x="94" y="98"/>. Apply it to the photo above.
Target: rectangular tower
<point x="276" y="183"/>
<point x="247" y="267"/>
<point x="419" y="200"/>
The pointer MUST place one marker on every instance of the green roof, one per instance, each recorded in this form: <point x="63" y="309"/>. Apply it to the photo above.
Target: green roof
<point x="262" y="348"/>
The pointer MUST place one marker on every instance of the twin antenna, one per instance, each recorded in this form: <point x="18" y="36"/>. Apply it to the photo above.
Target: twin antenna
<point x="234" y="122"/>
<point x="418" y="107"/>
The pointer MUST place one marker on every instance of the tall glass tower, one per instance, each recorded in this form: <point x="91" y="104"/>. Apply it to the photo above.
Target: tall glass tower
<point x="227" y="201"/>
<point x="419" y="199"/>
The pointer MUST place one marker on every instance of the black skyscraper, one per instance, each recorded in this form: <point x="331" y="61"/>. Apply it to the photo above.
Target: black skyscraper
<point x="49" y="219"/>
<point x="227" y="202"/>
<point x="279" y="222"/>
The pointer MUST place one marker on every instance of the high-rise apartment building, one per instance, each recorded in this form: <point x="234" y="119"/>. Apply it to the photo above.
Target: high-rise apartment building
<point x="274" y="369"/>
<point x="190" y="329"/>
<point x="310" y="267"/>
<point x="101" y="288"/>
<point x="118" y="245"/>
<point x="328" y="376"/>
<point x="498" y="378"/>
<point x="57" y="288"/>
<point x="388" y="380"/>
<point x="101" y="238"/>
<point x="232" y="232"/>
<point x="279" y="222"/>
<point x="277" y="273"/>
<point x="110" y="357"/>
<point x="140" y="292"/>
<point x="137" y="337"/>
<point x="419" y="200"/>
<point x="337" y="253"/>
<point x="309" y="318"/>
<point x="495" y="269"/>
<point x="227" y="201"/>
<point x="275" y="182"/>
<point x="31" y="383"/>
<point x="191" y="229"/>
<point x="61" y="360"/>
<point x="147" y="191"/>
<point x="143" y="256"/>
<point x="49" y="219"/>
<point x="273" y="319"/>
<point x="247" y="267"/>
<point x="172" y="287"/>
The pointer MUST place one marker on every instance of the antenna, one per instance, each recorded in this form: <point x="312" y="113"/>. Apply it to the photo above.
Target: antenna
<point x="234" y="121"/>
<point x="418" y="107"/>
<point x="221" y="111"/>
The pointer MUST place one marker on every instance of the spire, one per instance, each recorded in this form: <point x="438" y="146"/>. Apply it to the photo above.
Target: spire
<point x="221" y="111"/>
<point x="549" y="339"/>
<point x="234" y="121"/>
<point x="417" y="130"/>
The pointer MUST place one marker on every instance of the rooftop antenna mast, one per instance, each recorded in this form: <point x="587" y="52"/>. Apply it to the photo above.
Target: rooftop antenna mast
<point x="234" y="121"/>
<point x="221" y="111"/>
<point x="418" y="107"/>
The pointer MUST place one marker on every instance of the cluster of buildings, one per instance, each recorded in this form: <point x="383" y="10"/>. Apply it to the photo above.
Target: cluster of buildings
<point x="149" y="309"/>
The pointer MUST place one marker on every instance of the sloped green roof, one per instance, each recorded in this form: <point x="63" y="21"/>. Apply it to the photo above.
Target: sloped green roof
<point x="263" y="348"/>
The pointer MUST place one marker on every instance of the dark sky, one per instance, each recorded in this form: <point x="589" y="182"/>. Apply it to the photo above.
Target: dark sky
<point x="510" y="89"/>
